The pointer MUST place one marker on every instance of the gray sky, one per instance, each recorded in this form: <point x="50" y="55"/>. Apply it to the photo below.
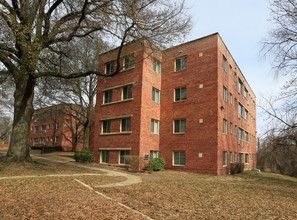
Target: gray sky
<point x="242" y="25"/>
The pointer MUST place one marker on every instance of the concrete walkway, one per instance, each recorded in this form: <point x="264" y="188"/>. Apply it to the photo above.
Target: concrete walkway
<point x="130" y="179"/>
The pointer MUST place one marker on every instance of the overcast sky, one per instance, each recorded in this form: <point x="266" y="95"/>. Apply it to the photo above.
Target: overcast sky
<point x="242" y="25"/>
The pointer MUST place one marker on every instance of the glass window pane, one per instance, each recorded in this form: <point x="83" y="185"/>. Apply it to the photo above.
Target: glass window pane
<point x="183" y="93"/>
<point x="176" y="126"/>
<point x="177" y="64"/>
<point x="177" y="94"/>
<point x="130" y="92"/>
<point x="156" y="126"/>
<point x="153" y="94"/>
<point x="152" y="126"/>
<point x="183" y="125"/>
<point x="184" y="63"/>
<point x="157" y="98"/>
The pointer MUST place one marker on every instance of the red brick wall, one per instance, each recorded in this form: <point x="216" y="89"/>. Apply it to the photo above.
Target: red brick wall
<point x="201" y="103"/>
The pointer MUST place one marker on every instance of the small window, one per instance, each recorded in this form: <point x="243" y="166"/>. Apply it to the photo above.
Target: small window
<point x="157" y="66"/>
<point x="231" y="99"/>
<point x="109" y="67"/>
<point x="231" y="127"/>
<point x="224" y="63"/>
<point x="57" y="139"/>
<point x="235" y="130"/>
<point x="246" y="158"/>
<point x="36" y="128"/>
<point x="231" y="158"/>
<point x="179" y="158"/>
<point x="154" y="126"/>
<point x="129" y="61"/>
<point x="246" y="136"/>
<point x="245" y="93"/>
<point x="240" y="86"/>
<point x="108" y="96"/>
<point x="240" y="109"/>
<point x="180" y="94"/>
<point x="127" y="92"/>
<point x="104" y="156"/>
<point x="126" y="124"/>
<point x="35" y="140"/>
<point x="225" y="94"/>
<point x="246" y="114"/>
<point x="123" y="156"/>
<point x="43" y="127"/>
<point x="240" y="134"/>
<point x="180" y="126"/>
<point x="42" y="139"/>
<point x="58" y="125"/>
<point x="224" y="158"/>
<point x="224" y="126"/>
<point x="240" y="157"/>
<point x="77" y="140"/>
<point x="153" y="154"/>
<point x="181" y="63"/>
<point x="156" y="95"/>
<point x="47" y="139"/>
<point x="106" y="126"/>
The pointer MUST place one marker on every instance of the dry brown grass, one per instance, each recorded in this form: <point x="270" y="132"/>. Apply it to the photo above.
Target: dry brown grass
<point x="161" y="195"/>
<point x="179" y="195"/>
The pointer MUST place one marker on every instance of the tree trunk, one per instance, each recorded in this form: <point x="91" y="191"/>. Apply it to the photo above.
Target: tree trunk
<point x="23" y="110"/>
<point x="87" y="130"/>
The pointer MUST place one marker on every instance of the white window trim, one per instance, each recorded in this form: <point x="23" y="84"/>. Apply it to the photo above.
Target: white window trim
<point x="178" y="165"/>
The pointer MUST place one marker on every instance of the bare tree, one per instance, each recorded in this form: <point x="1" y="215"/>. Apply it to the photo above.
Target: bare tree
<point x="34" y="34"/>
<point x="282" y="40"/>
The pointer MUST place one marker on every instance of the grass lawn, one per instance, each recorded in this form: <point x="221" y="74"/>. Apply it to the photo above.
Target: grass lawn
<point x="180" y="195"/>
<point x="161" y="195"/>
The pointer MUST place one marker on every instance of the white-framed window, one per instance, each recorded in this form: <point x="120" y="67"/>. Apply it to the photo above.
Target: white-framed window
<point x="180" y="94"/>
<point x="245" y="93"/>
<point x="246" y="158"/>
<point x="106" y="126"/>
<point x="35" y="140"/>
<point x="224" y="63"/>
<point x="52" y="138"/>
<point x="240" y="133"/>
<point x="47" y="139"/>
<point x="129" y="61"/>
<point x="43" y="127"/>
<point x="231" y="127"/>
<point x="157" y="66"/>
<point x="231" y="98"/>
<point x="224" y="158"/>
<point x="77" y="140"/>
<point x="123" y="155"/>
<point x="246" y="136"/>
<point x="225" y="126"/>
<point x="179" y="126"/>
<point x="225" y="94"/>
<point x="179" y="158"/>
<point x="240" y="86"/>
<point x="53" y="126"/>
<point x="240" y="158"/>
<point x="126" y="124"/>
<point x="107" y="96"/>
<point x="154" y="126"/>
<point x="42" y="140"/>
<point x="154" y="154"/>
<point x="240" y="109"/>
<point x="109" y="67"/>
<point x="230" y="70"/>
<point x="105" y="156"/>
<point x="156" y="95"/>
<point x="36" y="128"/>
<point x="57" y="139"/>
<point x="246" y="114"/>
<point x="181" y="63"/>
<point x="127" y="92"/>
<point x="231" y="157"/>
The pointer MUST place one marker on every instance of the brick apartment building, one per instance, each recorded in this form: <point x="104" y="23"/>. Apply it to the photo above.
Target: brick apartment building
<point x="57" y="126"/>
<point x="189" y="104"/>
